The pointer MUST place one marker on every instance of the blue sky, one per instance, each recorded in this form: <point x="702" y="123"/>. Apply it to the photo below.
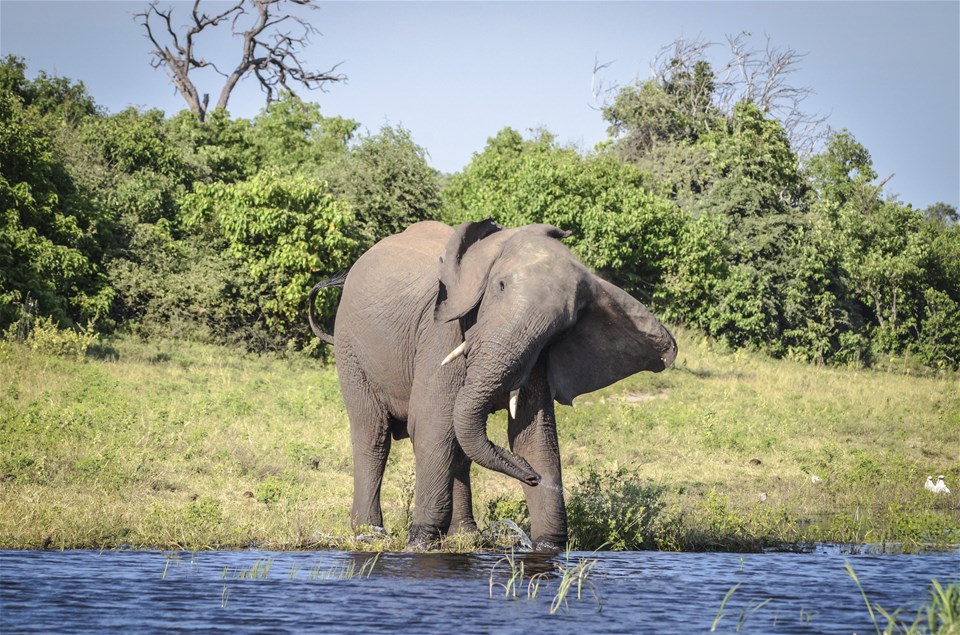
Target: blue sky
<point x="454" y="73"/>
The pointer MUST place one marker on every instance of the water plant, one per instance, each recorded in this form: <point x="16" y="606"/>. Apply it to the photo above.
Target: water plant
<point x="348" y="571"/>
<point x="178" y="561"/>
<point x="577" y="575"/>
<point x="514" y="575"/>
<point x="723" y="603"/>
<point x="744" y="612"/>
<point x="259" y="570"/>
<point x="940" y="615"/>
<point x="569" y="575"/>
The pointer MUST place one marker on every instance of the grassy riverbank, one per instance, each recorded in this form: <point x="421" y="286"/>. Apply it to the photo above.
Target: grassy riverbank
<point x="172" y="444"/>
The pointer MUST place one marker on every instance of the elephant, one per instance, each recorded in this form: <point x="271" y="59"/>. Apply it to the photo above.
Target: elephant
<point x="438" y="327"/>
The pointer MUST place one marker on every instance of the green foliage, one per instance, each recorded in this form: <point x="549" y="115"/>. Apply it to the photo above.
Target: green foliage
<point x="619" y="228"/>
<point x="271" y="490"/>
<point x="841" y="170"/>
<point x="613" y="509"/>
<point x="58" y="98"/>
<point x="808" y="262"/>
<point x="216" y="149"/>
<point x="292" y="136"/>
<point x="285" y="231"/>
<point x="386" y="179"/>
<point x="48" y="245"/>
<point x="41" y="334"/>
<point x="506" y="507"/>
<point x="215" y="230"/>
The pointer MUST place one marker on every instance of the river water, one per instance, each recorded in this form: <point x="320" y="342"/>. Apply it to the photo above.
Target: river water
<point x="312" y="592"/>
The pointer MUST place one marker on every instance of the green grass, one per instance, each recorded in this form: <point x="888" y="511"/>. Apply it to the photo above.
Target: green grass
<point x="509" y="575"/>
<point x="185" y="446"/>
<point x="940" y="615"/>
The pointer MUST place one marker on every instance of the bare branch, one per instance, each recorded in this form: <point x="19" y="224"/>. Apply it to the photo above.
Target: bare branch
<point x="758" y="76"/>
<point x="603" y="95"/>
<point x="272" y="56"/>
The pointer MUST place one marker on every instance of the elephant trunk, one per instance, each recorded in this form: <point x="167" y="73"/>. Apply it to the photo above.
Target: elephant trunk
<point x="470" y="425"/>
<point x="493" y="377"/>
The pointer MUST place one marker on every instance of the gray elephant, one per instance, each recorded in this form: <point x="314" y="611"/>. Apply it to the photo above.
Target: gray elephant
<point x="438" y="327"/>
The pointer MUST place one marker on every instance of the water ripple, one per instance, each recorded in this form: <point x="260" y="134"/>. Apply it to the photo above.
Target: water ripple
<point x="127" y="591"/>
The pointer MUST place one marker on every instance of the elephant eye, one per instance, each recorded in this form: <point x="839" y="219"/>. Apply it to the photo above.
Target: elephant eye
<point x="502" y="284"/>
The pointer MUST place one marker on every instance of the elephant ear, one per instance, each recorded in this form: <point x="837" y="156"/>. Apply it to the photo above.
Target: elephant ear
<point x="614" y="337"/>
<point x="469" y="256"/>
<point x="461" y="282"/>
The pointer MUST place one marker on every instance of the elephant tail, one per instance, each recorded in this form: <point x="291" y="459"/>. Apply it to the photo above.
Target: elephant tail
<point x="336" y="280"/>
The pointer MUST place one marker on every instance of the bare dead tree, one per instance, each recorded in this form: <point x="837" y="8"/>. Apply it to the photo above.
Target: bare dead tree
<point x="762" y="77"/>
<point x="674" y="67"/>
<point x="603" y="94"/>
<point x="759" y="76"/>
<point x="270" y="52"/>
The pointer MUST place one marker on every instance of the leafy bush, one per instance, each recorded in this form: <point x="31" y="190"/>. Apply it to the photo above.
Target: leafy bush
<point x="612" y="508"/>
<point x="386" y="179"/>
<point x="41" y="333"/>
<point x="285" y="232"/>
<point x="48" y="247"/>
<point x="505" y="507"/>
<point x="619" y="227"/>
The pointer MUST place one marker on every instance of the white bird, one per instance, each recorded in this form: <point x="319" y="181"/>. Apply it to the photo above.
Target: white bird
<point x="815" y="479"/>
<point x="941" y="487"/>
<point x="929" y="484"/>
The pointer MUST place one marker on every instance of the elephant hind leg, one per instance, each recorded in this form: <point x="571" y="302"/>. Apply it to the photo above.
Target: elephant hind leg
<point x="369" y="463"/>
<point x="370" y="439"/>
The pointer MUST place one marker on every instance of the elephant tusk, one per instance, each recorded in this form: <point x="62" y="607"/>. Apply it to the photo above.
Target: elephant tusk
<point x="455" y="353"/>
<point x="514" y="398"/>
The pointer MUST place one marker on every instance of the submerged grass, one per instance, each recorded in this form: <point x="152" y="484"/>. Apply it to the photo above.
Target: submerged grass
<point x="939" y="615"/>
<point x="508" y="574"/>
<point x="184" y="446"/>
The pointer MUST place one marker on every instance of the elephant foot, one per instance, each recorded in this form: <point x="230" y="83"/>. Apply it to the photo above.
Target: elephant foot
<point x="550" y="544"/>
<point x="467" y="526"/>
<point x="423" y="537"/>
<point x="371" y="533"/>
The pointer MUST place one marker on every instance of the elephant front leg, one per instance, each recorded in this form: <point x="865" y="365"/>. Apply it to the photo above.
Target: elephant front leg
<point x="433" y="508"/>
<point x="533" y="436"/>
<point x="462" y="520"/>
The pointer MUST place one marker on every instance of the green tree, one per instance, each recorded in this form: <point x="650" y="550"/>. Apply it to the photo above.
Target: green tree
<point x="284" y="231"/>
<point x="52" y="96"/>
<point x="386" y="179"/>
<point x="619" y="227"/>
<point x="292" y="136"/>
<point x="840" y="171"/>
<point x="942" y="214"/>
<point x="217" y="149"/>
<point x="896" y="263"/>
<point x="49" y="236"/>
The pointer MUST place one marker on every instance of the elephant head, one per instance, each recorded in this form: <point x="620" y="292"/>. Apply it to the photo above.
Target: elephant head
<point x="523" y="298"/>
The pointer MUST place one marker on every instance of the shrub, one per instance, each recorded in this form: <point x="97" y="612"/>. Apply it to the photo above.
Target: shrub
<point x="613" y="508"/>
<point x="285" y="232"/>
<point x="40" y="333"/>
<point x="505" y="507"/>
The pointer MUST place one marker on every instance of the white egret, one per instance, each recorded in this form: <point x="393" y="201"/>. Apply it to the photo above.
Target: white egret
<point x="941" y="487"/>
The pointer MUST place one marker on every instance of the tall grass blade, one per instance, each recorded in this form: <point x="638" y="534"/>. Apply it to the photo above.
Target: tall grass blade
<point x="853" y="574"/>
<point x="726" y="598"/>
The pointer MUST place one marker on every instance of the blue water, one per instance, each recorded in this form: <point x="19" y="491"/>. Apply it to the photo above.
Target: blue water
<point x="639" y="592"/>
